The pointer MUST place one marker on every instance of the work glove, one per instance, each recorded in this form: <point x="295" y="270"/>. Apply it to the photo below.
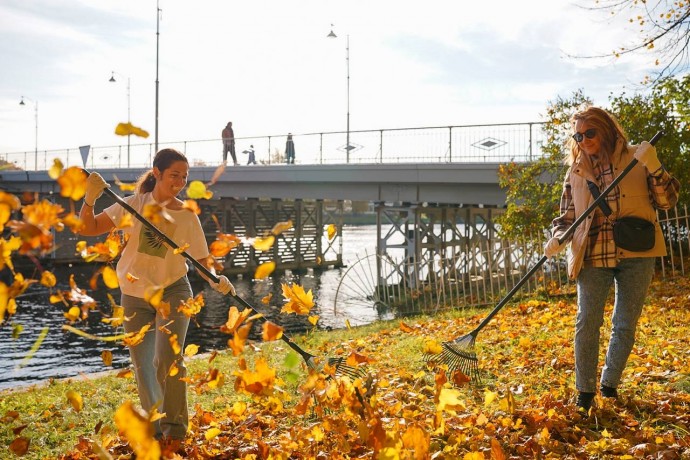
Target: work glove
<point x="224" y="286"/>
<point x="553" y="247"/>
<point x="646" y="154"/>
<point x="95" y="184"/>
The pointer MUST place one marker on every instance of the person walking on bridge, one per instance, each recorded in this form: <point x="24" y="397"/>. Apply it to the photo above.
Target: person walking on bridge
<point x="148" y="261"/>
<point x="229" y="143"/>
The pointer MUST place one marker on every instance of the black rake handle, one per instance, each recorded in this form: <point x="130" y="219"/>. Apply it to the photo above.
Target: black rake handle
<point x="561" y="240"/>
<point x="199" y="266"/>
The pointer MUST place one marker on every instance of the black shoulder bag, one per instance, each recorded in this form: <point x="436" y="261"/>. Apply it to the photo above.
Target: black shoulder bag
<point x="629" y="233"/>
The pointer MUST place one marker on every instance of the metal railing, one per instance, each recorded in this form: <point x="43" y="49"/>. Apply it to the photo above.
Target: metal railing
<point x="496" y="143"/>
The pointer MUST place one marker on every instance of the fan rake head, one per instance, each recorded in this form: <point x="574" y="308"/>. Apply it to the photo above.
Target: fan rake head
<point x="458" y="355"/>
<point x="343" y="369"/>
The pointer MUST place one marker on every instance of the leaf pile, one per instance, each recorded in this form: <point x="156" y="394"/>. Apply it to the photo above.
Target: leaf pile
<point x="258" y="400"/>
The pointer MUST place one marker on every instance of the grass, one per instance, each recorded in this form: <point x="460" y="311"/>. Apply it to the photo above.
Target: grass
<point x="522" y="409"/>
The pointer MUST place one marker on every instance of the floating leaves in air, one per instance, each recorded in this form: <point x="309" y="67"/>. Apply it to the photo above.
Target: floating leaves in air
<point x="196" y="190"/>
<point x="127" y="129"/>
<point x="281" y="227"/>
<point x="264" y="244"/>
<point x="224" y="243"/>
<point x="137" y="429"/>
<point x="271" y="331"/>
<point x="124" y="187"/>
<point x="73" y="183"/>
<point x="110" y="277"/>
<point x="8" y="204"/>
<point x="332" y="231"/>
<point x="56" y="169"/>
<point x="264" y="270"/>
<point x="296" y="300"/>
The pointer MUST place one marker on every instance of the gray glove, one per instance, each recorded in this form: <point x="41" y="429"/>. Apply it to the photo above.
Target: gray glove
<point x="224" y="286"/>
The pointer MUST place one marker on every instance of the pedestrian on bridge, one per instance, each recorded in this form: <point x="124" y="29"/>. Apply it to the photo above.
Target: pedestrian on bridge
<point x="148" y="261"/>
<point x="229" y="143"/>
<point x="290" y="150"/>
<point x="599" y="257"/>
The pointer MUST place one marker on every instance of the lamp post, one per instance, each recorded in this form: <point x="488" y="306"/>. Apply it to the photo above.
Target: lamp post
<point x="112" y="80"/>
<point x="35" y="103"/>
<point x="347" y="60"/>
<point x="158" y="18"/>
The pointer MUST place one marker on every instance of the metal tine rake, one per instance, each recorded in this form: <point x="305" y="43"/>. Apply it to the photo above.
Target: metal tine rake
<point x="459" y="354"/>
<point x="340" y="365"/>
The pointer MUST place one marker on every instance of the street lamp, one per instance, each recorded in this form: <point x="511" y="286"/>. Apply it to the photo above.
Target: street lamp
<point x="35" y="103"/>
<point x="158" y="18"/>
<point x="348" y="147"/>
<point x="112" y="80"/>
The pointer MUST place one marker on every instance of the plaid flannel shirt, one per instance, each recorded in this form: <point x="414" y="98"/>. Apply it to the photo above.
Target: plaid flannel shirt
<point x="601" y="249"/>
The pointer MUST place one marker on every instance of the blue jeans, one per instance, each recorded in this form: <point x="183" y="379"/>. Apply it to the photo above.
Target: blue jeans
<point x="632" y="278"/>
<point x="153" y="358"/>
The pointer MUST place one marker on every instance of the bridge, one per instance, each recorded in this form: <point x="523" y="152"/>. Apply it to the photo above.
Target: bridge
<point x="459" y="184"/>
<point x="433" y="188"/>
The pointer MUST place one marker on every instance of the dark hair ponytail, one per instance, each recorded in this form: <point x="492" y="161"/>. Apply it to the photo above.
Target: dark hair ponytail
<point x="163" y="159"/>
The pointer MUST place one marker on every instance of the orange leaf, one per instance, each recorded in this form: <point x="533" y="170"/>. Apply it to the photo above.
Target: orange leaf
<point x="332" y="231"/>
<point x="73" y="183"/>
<point x="271" y="331"/>
<point x="281" y="227"/>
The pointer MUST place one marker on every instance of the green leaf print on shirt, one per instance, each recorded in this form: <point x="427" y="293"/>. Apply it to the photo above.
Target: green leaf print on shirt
<point x="152" y="244"/>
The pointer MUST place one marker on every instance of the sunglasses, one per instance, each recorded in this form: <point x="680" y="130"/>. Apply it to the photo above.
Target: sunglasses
<point x="589" y="134"/>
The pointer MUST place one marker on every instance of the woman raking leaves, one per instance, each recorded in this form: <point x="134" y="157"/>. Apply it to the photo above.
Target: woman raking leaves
<point x="598" y="259"/>
<point x="146" y="267"/>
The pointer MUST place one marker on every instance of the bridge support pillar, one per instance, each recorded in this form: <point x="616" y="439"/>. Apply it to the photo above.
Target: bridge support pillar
<point x="305" y="245"/>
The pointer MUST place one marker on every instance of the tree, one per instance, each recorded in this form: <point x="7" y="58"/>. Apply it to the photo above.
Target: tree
<point x="664" y="31"/>
<point x="533" y="189"/>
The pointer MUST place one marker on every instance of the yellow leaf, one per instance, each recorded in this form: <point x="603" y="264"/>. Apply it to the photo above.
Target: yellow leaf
<point x="138" y="431"/>
<point x="267" y="299"/>
<point x="191" y="350"/>
<point x="489" y="397"/>
<point x="313" y="319"/>
<point x="126" y="129"/>
<point x="264" y="244"/>
<point x="107" y="357"/>
<point x="297" y="301"/>
<point x="55" y="171"/>
<point x="212" y="433"/>
<point x="196" y="190"/>
<point x="153" y="295"/>
<point x="264" y="270"/>
<point x="432" y="347"/>
<point x="73" y="183"/>
<point x="75" y="400"/>
<point x="449" y="399"/>
<point x="110" y="277"/>
<point x="73" y="314"/>
<point x="332" y="231"/>
<point x="174" y="344"/>
<point x="48" y="279"/>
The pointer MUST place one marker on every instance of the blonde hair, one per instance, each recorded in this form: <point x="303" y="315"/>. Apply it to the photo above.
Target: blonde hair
<point x="608" y="128"/>
<point x="163" y="160"/>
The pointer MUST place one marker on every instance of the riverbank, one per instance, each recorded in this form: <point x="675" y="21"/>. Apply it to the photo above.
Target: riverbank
<point x="522" y="409"/>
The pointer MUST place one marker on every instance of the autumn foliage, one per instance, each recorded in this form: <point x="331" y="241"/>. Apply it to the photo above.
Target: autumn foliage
<point x="267" y="404"/>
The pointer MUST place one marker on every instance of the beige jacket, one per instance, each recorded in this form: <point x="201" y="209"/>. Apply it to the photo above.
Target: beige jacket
<point x="634" y="201"/>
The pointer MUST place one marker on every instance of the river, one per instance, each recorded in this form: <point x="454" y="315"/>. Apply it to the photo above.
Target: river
<point x="62" y="354"/>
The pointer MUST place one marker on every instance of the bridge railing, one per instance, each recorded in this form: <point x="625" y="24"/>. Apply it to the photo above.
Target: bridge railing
<point x="438" y="144"/>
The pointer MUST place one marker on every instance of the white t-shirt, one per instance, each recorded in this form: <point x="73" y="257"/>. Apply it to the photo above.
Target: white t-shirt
<point x="146" y="255"/>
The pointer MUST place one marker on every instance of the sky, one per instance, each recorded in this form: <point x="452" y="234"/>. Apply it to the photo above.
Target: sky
<point x="268" y="66"/>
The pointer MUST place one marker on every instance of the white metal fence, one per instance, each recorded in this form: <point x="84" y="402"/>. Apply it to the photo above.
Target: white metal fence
<point x="441" y="144"/>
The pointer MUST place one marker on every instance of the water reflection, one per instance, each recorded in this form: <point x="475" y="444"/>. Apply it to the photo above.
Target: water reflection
<point x="63" y="354"/>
